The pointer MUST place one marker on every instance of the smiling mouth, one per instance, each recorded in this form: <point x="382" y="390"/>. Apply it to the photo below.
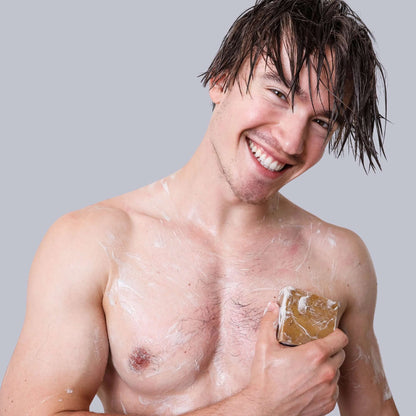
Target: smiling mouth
<point x="267" y="161"/>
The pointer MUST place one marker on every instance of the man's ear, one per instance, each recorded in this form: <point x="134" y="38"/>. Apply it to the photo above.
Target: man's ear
<point x="217" y="90"/>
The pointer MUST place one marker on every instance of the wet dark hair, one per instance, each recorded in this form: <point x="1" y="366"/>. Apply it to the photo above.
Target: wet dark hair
<point x="311" y="30"/>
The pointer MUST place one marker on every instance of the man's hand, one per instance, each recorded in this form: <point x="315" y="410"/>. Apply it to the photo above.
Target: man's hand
<point x="299" y="380"/>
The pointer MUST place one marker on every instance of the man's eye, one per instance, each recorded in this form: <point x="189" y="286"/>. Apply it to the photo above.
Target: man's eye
<point x="279" y="94"/>
<point x="324" y="124"/>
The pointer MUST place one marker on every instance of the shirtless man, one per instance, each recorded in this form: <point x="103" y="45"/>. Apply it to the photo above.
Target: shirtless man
<point x="163" y="301"/>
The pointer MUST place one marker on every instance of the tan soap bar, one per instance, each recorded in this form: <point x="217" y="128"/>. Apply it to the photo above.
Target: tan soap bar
<point x="305" y="316"/>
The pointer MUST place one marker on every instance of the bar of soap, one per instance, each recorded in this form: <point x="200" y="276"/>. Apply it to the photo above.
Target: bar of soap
<point x="305" y="316"/>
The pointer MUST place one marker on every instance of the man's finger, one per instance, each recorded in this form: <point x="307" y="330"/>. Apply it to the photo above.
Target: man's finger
<point x="338" y="358"/>
<point x="268" y="324"/>
<point x="334" y="342"/>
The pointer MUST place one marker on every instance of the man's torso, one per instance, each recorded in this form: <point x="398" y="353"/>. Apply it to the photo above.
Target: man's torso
<point x="182" y="305"/>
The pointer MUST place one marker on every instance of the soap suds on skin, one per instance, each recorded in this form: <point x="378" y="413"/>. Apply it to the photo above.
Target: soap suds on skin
<point x="332" y="242"/>
<point x="173" y="405"/>
<point x="165" y="186"/>
<point x="373" y="359"/>
<point x="123" y="295"/>
<point x="166" y="216"/>
<point x="48" y="398"/>
<point x="220" y="377"/>
<point x="175" y="335"/>
<point x="58" y="397"/>
<point x="194" y="217"/>
<point x="159" y="243"/>
<point x="123" y="407"/>
<point x="333" y="270"/>
<point x="122" y="290"/>
<point x="308" y="250"/>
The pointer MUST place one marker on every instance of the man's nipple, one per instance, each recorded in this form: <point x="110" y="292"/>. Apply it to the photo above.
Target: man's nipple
<point x="140" y="359"/>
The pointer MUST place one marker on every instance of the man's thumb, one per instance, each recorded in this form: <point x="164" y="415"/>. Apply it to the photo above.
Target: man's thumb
<point x="269" y="322"/>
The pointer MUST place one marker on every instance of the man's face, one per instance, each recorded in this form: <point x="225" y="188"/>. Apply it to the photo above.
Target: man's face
<point x="262" y="139"/>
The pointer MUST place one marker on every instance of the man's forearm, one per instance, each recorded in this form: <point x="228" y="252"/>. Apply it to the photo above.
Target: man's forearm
<point x="241" y="404"/>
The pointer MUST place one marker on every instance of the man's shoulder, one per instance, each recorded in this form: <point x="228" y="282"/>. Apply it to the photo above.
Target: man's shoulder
<point x="92" y="221"/>
<point x="327" y="236"/>
<point x="341" y="239"/>
<point x="122" y="218"/>
<point x="341" y="254"/>
<point x="76" y="245"/>
<point x="116" y="215"/>
<point x="344" y="253"/>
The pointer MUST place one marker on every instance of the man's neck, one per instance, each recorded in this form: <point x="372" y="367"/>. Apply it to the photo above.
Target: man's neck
<point x="201" y="194"/>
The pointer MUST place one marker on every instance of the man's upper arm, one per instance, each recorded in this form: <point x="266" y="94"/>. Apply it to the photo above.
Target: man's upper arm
<point x="363" y="386"/>
<point x="61" y="356"/>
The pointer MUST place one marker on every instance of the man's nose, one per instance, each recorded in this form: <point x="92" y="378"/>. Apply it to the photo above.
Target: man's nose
<point x="292" y="133"/>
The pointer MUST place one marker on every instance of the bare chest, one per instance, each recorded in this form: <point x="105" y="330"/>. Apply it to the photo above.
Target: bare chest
<point x="182" y="320"/>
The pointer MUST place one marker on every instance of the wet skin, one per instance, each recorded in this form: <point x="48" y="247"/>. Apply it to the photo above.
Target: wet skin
<point x="154" y="298"/>
<point x="200" y="350"/>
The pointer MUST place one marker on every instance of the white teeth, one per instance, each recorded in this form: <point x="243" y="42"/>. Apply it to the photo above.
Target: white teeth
<point x="269" y="161"/>
<point x="266" y="161"/>
<point x="273" y="165"/>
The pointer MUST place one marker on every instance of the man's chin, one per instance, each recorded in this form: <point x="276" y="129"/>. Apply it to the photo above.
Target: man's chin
<point x="250" y="191"/>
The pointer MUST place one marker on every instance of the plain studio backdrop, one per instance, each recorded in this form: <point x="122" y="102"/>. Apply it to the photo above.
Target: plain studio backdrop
<point x="100" y="97"/>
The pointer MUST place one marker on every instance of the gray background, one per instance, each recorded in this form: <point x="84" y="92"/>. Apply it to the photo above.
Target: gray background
<point x="100" y="97"/>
